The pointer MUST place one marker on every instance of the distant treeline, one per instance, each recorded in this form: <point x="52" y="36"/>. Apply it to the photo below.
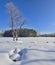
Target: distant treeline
<point x="24" y="32"/>
<point x="47" y="35"/>
<point x="21" y="33"/>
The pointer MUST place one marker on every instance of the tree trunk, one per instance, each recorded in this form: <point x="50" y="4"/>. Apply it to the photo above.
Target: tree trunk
<point x="13" y="31"/>
<point x="16" y="35"/>
<point x="13" y="35"/>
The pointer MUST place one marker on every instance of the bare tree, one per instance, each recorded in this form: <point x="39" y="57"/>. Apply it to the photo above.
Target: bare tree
<point x="21" y="24"/>
<point x="15" y="15"/>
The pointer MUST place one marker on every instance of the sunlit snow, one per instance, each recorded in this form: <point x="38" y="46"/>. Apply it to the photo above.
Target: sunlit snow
<point x="30" y="51"/>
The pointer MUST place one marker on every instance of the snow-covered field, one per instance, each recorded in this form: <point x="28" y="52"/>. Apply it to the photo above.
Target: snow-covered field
<point x="39" y="50"/>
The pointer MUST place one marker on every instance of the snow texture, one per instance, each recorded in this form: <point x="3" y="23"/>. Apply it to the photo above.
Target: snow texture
<point x="29" y="51"/>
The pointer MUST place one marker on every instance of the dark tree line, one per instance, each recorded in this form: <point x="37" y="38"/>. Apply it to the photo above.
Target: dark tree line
<point x="21" y="33"/>
<point x="47" y="35"/>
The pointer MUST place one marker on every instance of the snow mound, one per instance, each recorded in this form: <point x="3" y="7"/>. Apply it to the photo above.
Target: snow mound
<point x="14" y="54"/>
<point x="17" y="54"/>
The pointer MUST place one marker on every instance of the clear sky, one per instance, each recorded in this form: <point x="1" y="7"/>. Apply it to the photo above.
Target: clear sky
<point x="40" y="14"/>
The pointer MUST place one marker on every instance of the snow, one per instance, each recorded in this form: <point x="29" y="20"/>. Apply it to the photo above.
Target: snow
<point x="14" y="54"/>
<point x="32" y="51"/>
<point x="14" y="51"/>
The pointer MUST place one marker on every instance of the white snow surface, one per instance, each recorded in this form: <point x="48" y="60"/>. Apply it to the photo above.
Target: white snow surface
<point x="35" y="50"/>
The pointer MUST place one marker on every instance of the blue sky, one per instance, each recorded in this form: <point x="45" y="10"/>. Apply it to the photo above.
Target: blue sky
<point x="40" y="14"/>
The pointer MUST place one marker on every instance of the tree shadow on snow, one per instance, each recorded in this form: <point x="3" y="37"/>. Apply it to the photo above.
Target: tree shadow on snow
<point x="22" y="54"/>
<point x="3" y="51"/>
<point x="38" y="60"/>
<point x="23" y="57"/>
<point x="24" y="51"/>
<point x="42" y="50"/>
